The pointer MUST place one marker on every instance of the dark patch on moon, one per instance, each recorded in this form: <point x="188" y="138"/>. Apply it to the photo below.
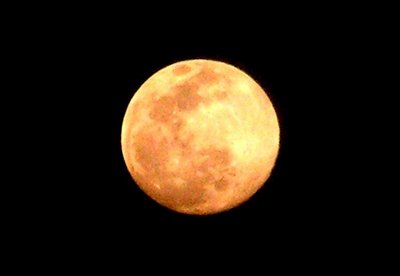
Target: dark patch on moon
<point x="186" y="96"/>
<point x="162" y="109"/>
<point x="221" y="185"/>
<point x="208" y="168"/>
<point x="207" y="76"/>
<point x="181" y="69"/>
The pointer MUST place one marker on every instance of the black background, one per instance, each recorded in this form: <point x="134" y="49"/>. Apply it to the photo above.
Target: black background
<point x="294" y="202"/>
<point x="86" y="69"/>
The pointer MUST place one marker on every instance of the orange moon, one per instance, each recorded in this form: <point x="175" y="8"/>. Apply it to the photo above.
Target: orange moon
<point x="200" y="137"/>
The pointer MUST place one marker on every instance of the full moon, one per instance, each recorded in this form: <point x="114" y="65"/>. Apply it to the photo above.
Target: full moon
<point x="200" y="137"/>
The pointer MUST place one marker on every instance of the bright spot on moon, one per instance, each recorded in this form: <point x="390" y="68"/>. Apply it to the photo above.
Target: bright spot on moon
<point x="200" y="137"/>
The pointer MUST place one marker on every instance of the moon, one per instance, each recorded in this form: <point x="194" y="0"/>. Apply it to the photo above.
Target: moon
<point x="200" y="137"/>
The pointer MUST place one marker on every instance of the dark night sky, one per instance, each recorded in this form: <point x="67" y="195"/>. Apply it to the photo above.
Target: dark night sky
<point x="287" y="66"/>
<point x="92" y="71"/>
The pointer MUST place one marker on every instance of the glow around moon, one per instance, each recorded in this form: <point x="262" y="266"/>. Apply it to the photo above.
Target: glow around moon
<point x="200" y="137"/>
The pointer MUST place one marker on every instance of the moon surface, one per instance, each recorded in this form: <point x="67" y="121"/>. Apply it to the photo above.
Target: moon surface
<point x="200" y="137"/>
